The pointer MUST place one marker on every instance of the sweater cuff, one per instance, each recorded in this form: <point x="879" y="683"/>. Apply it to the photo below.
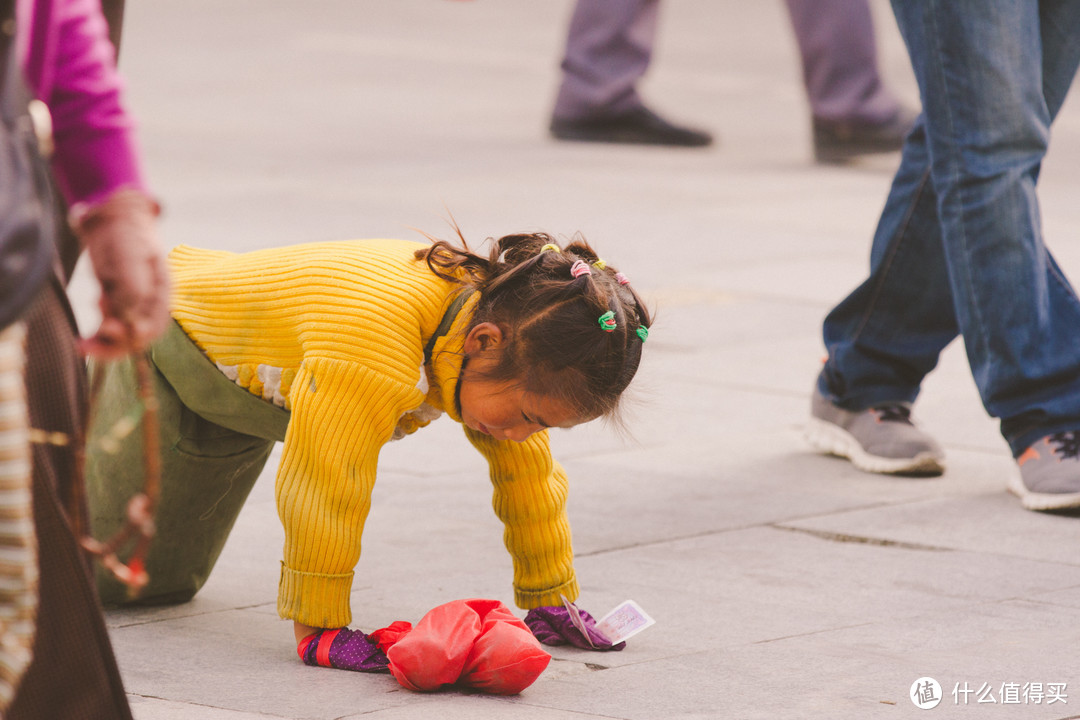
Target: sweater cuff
<point x="315" y="599"/>
<point x="529" y="599"/>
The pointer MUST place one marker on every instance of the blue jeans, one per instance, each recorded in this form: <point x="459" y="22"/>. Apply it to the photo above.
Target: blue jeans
<point x="959" y="247"/>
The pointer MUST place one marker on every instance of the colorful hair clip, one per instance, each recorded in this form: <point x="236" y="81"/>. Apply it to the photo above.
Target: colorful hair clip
<point x="579" y="268"/>
<point x="623" y="280"/>
<point x="551" y="246"/>
<point x="607" y="321"/>
<point x="642" y="332"/>
<point x="599" y="264"/>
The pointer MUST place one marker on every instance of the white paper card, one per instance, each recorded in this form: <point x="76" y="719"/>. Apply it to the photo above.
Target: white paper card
<point x="625" y="621"/>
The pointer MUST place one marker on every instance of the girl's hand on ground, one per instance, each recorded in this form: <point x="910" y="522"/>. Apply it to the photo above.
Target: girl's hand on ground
<point x="553" y="626"/>
<point x="341" y="648"/>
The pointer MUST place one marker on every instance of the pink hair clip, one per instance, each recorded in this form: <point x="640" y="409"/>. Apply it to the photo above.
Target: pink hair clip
<point x="579" y="268"/>
<point x="623" y="280"/>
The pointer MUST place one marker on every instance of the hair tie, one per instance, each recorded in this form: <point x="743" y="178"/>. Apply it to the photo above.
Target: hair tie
<point x="599" y="264"/>
<point x="642" y="332"/>
<point x="607" y="321"/>
<point x="579" y="268"/>
<point x="551" y="246"/>
<point x="623" y="280"/>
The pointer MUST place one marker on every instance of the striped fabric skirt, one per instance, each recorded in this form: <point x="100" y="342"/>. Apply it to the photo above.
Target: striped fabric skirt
<point x="18" y="548"/>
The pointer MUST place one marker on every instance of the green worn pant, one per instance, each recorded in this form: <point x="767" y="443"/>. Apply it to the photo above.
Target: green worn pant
<point x="215" y="439"/>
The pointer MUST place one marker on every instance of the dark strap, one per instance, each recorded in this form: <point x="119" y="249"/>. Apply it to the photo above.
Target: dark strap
<point x="27" y="226"/>
<point x="7" y="27"/>
<point x="447" y="322"/>
<point x="14" y="94"/>
<point x="113" y="10"/>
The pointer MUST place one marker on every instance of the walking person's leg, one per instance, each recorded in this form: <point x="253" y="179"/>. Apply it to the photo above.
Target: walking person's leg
<point x="608" y="50"/>
<point x="852" y="112"/>
<point x="992" y="81"/>
<point x="972" y="212"/>
<point x="885" y="337"/>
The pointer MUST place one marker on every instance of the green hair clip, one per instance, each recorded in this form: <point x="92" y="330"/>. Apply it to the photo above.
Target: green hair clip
<point x="607" y="321"/>
<point x="642" y="332"/>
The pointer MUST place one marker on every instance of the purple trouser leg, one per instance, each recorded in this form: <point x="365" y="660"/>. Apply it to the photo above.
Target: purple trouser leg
<point x="608" y="49"/>
<point x="839" y="59"/>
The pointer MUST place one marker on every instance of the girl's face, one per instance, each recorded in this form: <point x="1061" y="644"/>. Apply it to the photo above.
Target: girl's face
<point x="503" y="409"/>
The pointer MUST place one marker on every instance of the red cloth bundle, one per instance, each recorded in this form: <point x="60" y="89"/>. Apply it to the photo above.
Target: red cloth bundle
<point x="475" y="643"/>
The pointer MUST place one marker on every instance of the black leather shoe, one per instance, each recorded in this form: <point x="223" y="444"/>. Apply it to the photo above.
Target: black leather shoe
<point x="837" y="141"/>
<point x="639" y="126"/>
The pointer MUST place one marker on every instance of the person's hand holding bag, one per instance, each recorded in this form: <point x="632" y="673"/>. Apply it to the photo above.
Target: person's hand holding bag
<point x="120" y="236"/>
<point x="554" y="626"/>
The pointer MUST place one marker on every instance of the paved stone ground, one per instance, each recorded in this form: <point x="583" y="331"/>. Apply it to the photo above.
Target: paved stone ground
<point x="784" y="584"/>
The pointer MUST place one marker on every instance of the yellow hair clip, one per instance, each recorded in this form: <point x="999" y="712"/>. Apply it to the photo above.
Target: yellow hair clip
<point x="551" y="246"/>
<point x="599" y="264"/>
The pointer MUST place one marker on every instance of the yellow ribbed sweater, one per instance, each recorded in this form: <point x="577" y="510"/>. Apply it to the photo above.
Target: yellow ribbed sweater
<point x="340" y="329"/>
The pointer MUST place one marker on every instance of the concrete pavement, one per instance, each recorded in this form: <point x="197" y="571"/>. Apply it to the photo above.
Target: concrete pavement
<point x="784" y="584"/>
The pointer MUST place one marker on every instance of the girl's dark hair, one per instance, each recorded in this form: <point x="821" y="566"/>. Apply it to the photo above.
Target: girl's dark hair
<point x="554" y="342"/>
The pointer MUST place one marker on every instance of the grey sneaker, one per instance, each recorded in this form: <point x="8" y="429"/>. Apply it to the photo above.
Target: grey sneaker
<point x="880" y="439"/>
<point x="1048" y="476"/>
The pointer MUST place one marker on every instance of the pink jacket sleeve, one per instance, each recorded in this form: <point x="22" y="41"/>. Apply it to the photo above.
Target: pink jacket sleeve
<point x="69" y="63"/>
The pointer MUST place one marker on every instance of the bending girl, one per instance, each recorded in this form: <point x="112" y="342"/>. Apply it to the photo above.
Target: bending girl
<point x="336" y="349"/>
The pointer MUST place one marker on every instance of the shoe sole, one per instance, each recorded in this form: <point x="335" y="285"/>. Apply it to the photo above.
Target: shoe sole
<point x="831" y="439"/>
<point x="842" y="156"/>
<point x="615" y="138"/>
<point x="1041" y="501"/>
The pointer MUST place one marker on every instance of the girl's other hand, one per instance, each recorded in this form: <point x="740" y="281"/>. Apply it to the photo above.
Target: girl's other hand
<point x="553" y="626"/>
